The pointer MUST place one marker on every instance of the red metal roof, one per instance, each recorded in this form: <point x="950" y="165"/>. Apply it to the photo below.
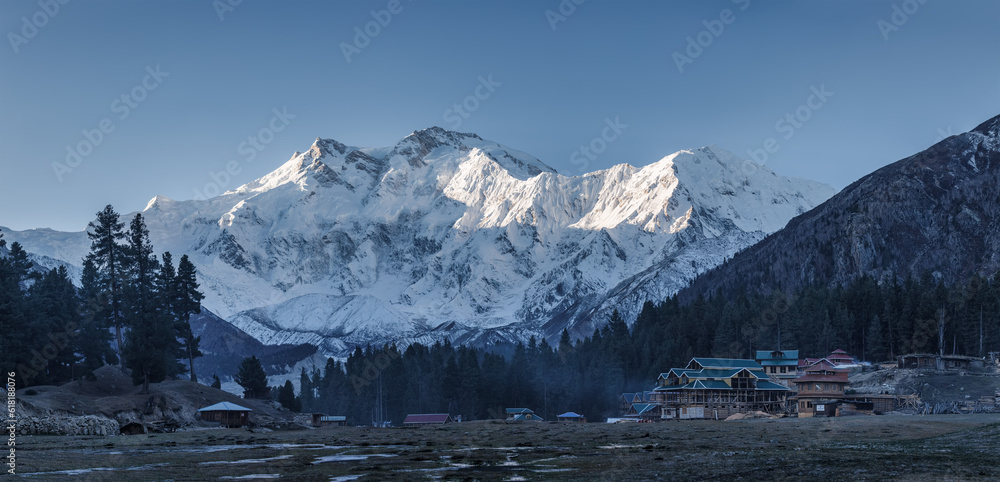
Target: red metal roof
<point x="427" y="418"/>
<point x="819" y="377"/>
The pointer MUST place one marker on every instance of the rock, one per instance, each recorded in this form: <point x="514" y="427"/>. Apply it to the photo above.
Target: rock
<point x="68" y="425"/>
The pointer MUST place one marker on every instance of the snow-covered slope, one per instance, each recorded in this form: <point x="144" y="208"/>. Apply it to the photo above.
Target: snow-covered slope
<point x="447" y="234"/>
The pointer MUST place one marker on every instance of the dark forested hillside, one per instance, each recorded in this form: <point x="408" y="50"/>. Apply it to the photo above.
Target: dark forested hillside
<point x="937" y="211"/>
<point x="871" y="321"/>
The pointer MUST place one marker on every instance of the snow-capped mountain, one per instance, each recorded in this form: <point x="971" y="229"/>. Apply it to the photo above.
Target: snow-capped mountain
<point x="446" y="234"/>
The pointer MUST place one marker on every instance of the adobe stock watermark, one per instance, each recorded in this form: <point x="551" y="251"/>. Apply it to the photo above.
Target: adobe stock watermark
<point x="222" y="7"/>
<point x="899" y="16"/>
<point x="11" y="427"/>
<point x="788" y="124"/>
<point x="588" y="152"/>
<point x="460" y="111"/>
<point x="55" y="343"/>
<point x="249" y="149"/>
<point x="38" y="20"/>
<point x="122" y="105"/>
<point x="363" y="35"/>
<point x="562" y="12"/>
<point x="714" y="29"/>
<point x="924" y="158"/>
<point x="372" y="370"/>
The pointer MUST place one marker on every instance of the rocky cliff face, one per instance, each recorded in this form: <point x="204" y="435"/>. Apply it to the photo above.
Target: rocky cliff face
<point x="935" y="212"/>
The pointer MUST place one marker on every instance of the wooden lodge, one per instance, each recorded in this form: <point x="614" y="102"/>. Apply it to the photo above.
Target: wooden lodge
<point x="938" y="362"/>
<point x="780" y="364"/>
<point x="644" y="412"/>
<point x="717" y="388"/>
<point x="627" y="399"/>
<point x="227" y="414"/>
<point x="838" y="358"/>
<point x="820" y="389"/>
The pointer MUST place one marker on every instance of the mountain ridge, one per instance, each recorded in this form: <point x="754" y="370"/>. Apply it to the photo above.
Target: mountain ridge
<point x="446" y="234"/>
<point x="935" y="212"/>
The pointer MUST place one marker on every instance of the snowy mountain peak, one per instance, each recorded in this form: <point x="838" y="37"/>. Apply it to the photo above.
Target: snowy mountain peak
<point x="447" y="234"/>
<point x="157" y="202"/>
<point x="323" y="147"/>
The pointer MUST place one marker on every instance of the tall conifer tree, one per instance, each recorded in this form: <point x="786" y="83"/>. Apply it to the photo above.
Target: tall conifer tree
<point x="108" y="255"/>
<point x="187" y="300"/>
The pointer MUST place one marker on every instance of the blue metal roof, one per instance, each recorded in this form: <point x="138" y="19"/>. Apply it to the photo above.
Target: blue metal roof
<point x="570" y="415"/>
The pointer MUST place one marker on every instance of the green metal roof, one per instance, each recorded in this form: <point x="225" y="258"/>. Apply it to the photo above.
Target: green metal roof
<point x="779" y="363"/>
<point x="641" y="408"/>
<point x="785" y="355"/>
<point x="724" y="363"/>
<point x="700" y="385"/>
<point x="520" y="410"/>
<point x="710" y="385"/>
<point x="766" y="385"/>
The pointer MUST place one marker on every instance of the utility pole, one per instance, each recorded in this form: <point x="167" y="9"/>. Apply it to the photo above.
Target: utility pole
<point x="941" y="332"/>
<point x="980" y="330"/>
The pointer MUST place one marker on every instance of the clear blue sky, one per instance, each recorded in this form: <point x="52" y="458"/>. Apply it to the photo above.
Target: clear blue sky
<point x="937" y="72"/>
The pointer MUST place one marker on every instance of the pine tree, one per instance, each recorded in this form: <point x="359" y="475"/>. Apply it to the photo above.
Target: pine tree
<point x="108" y="255"/>
<point x="151" y="343"/>
<point x="167" y="301"/>
<point x="188" y="302"/>
<point x="305" y="390"/>
<point x="333" y="387"/>
<point x="15" y="352"/>
<point x="286" y="397"/>
<point x="94" y="342"/>
<point x="252" y="378"/>
<point x="873" y="339"/>
<point x="216" y="383"/>
<point x="55" y="318"/>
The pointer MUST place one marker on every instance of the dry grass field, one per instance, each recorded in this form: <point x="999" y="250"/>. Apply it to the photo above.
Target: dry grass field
<point x="943" y="447"/>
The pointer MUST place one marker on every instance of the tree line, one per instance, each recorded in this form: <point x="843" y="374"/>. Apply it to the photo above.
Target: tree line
<point x="132" y="309"/>
<point x="872" y="321"/>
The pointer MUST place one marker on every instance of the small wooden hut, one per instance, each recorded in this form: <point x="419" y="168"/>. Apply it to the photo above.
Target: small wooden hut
<point x="427" y="419"/>
<point x="320" y="420"/>
<point x="571" y="417"/>
<point x="227" y="414"/>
